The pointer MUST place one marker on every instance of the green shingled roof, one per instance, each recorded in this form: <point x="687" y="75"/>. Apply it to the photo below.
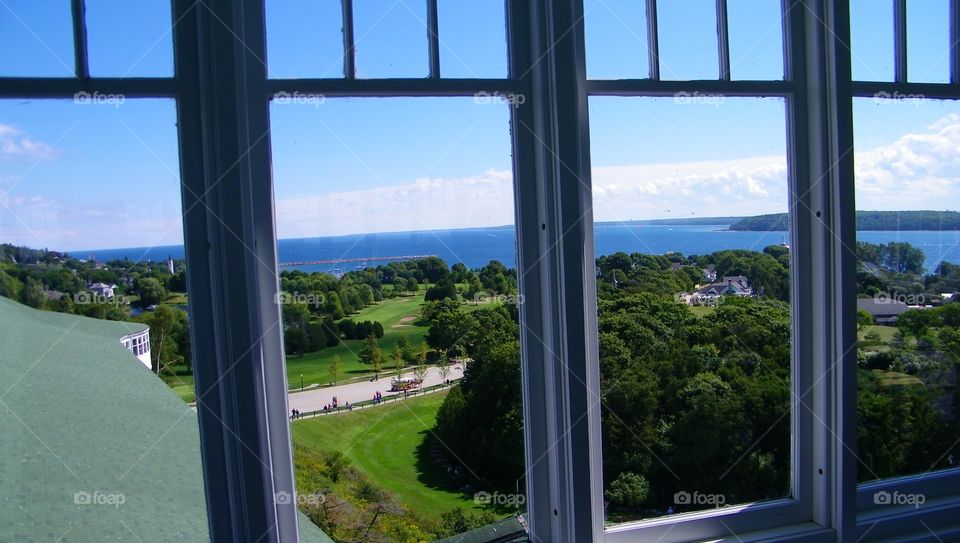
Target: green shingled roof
<point x="508" y="530"/>
<point x="81" y="416"/>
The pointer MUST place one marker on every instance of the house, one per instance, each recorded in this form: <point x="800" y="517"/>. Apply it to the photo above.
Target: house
<point x="710" y="273"/>
<point x="735" y="285"/>
<point x="884" y="311"/>
<point x="101" y="290"/>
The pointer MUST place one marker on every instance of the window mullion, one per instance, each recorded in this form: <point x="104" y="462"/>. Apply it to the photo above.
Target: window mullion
<point x="556" y="265"/>
<point x="228" y="239"/>
<point x="824" y="210"/>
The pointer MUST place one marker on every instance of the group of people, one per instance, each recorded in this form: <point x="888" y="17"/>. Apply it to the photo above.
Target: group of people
<point x="335" y="406"/>
<point x="377" y="397"/>
<point x="295" y="414"/>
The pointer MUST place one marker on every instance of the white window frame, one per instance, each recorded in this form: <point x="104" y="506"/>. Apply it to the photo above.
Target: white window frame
<point x="222" y="95"/>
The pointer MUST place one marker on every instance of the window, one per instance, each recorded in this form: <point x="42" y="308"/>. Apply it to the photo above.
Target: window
<point x="584" y="85"/>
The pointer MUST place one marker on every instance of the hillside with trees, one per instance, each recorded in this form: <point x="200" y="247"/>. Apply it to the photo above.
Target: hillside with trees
<point x="866" y="220"/>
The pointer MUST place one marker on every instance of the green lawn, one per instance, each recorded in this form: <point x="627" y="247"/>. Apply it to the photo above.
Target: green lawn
<point x="385" y="443"/>
<point x="182" y="384"/>
<point x="886" y="334"/>
<point x="894" y="378"/>
<point x="176" y="298"/>
<point x="398" y="317"/>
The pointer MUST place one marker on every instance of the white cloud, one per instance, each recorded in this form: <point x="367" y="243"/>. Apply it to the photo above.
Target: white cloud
<point x="422" y="204"/>
<point x="14" y="143"/>
<point x="917" y="171"/>
<point x="40" y="221"/>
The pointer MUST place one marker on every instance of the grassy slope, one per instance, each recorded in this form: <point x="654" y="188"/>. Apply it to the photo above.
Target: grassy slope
<point x="315" y="367"/>
<point x="385" y="444"/>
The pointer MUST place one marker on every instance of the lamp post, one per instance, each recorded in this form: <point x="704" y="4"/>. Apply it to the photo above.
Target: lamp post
<point x="301" y="382"/>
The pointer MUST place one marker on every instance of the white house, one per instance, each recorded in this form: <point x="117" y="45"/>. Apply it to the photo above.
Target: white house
<point x="733" y="285"/>
<point x="101" y="290"/>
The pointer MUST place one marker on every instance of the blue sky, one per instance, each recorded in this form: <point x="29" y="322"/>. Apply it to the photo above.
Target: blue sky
<point x="104" y="174"/>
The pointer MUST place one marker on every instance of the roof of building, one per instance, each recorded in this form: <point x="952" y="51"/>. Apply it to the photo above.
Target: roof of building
<point x="882" y="307"/>
<point x="80" y="414"/>
<point x="100" y="285"/>
<point x="508" y="530"/>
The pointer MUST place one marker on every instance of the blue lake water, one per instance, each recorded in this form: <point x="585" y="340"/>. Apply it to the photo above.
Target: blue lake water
<point x="477" y="246"/>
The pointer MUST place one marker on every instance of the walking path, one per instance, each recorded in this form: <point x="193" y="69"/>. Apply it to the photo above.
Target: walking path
<point x="315" y="399"/>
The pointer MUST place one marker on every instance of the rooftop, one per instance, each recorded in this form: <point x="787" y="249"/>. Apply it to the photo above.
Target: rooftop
<point x="83" y="420"/>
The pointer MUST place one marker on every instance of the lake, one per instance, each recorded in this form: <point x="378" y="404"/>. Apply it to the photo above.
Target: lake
<point x="477" y="246"/>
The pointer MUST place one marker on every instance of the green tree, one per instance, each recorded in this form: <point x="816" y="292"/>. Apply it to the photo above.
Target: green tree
<point x="33" y="293"/>
<point x="367" y="353"/>
<point x="164" y="352"/>
<point x="151" y="291"/>
<point x="294" y="341"/>
<point x="445" y="289"/>
<point x="398" y="362"/>
<point x="377" y="361"/>
<point x="409" y="353"/>
<point x="420" y="371"/>
<point x="448" y="329"/>
<point x="628" y="490"/>
<point x="864" y="319"/>
<point x="335" y="368"/>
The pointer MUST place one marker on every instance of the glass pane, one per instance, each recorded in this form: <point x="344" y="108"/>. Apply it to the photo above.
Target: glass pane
<point x="304" y="39"/>
<point x="390" y="38"/>
<point x="928" y="41"/>
<point x="693" y="286"/>
<point x="756" y="39"/>
<point x="400" y="314"/>
<point x="41" y="33"/>
<point x="129" y="39"/>
<point x="616" y="39"/>
<point x="871" y="40"/>
<point x="908" y="277"/>
<point x="688" y="39"/>
<point x="473" y="38"/>
<point x="99" y="443"/>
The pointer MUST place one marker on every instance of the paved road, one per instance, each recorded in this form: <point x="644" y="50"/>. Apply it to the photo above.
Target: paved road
<point x="315" y="399"/>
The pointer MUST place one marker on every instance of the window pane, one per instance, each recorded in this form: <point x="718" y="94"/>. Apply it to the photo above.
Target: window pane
<point x="398" y="260"/>
<point x="928" y="41"/>
<point x="89" y="213"/>
<point x="871" y="40"/>
<point x="908" y="277"/>
<point x="616" y="39"/>
<point x="688" y="39"/>
<point x="473" y="39"/>
<point x="693" y="291"/>
<point x="756" y="39"/>
<point x="304" y="38"/>
<point x="41" y="33"/>
<point x="390" y="38"/>
<point x="129" y="39"/>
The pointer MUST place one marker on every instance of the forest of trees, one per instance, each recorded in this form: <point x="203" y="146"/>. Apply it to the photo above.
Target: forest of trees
<point x="701" y="401"/>
<point x="866" y="220"/>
